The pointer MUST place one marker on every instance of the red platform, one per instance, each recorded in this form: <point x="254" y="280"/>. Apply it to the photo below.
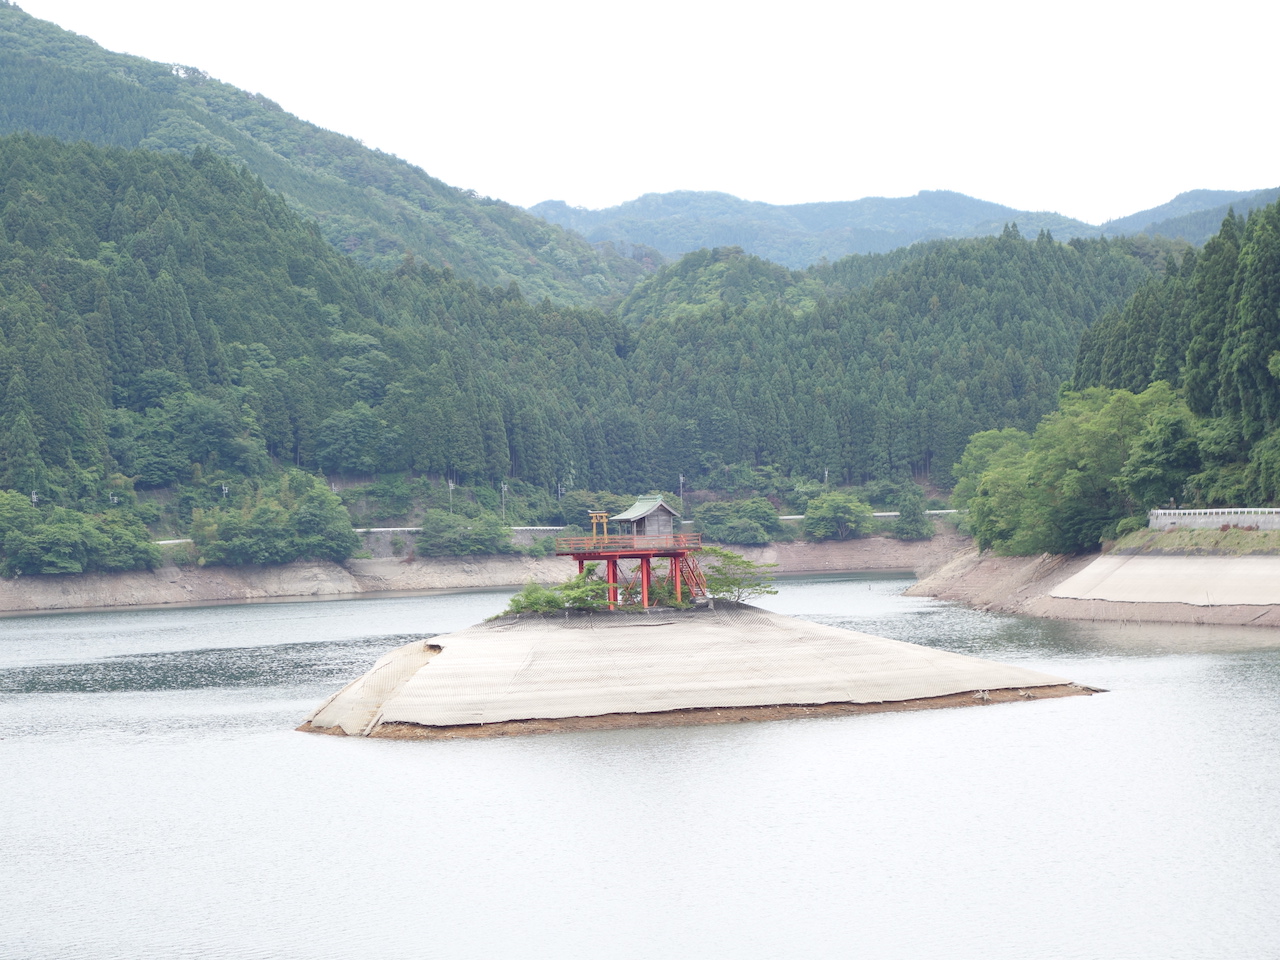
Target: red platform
<point x="678" y="548"/>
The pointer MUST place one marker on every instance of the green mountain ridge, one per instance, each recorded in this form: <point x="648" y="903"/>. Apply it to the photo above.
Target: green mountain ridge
<point x="1199" y="226"/>
<point x="799" y="235"/>
<point x="371" y="205"/>
<point x="165" y="319"/>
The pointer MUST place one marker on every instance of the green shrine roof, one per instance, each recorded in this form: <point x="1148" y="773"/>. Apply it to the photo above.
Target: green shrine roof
<point x="643" y="507"/>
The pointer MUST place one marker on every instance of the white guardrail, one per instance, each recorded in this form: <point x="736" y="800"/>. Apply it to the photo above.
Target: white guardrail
<point x="1264" y="518"/>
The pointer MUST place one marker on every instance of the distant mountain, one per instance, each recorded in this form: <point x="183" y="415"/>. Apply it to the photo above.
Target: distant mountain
<point x="798" y="235"/>
<point x="1195" y="224"/>
<point x="1193" y="201"/>
<point x="369" y="204"/>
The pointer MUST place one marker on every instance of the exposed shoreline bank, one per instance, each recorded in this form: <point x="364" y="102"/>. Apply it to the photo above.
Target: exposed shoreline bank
<point x="318" y="579"/>
<point x="949" y="567"/>
<point x="1033" y="586"/>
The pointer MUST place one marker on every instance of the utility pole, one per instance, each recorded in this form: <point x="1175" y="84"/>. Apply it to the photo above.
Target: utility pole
<point x="504" y="501"/>
<point x="451" y="496"/>
<point x="682" y="494"/>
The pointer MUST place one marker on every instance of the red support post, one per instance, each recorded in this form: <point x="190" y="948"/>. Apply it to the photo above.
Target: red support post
<point x="675" y="576"/>
<point x="611" y="568"/>
<point x="645" y="572"/>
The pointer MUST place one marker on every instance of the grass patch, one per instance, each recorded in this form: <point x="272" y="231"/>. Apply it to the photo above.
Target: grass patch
<point x="1199" y="543"/>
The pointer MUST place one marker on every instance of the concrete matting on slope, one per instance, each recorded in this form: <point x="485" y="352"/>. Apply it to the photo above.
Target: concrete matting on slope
<point x="1199" y="581"/>
<point x="596" y="665"/>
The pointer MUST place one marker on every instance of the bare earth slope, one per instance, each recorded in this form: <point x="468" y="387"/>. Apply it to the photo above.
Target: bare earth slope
<point x="1239" y="590"/>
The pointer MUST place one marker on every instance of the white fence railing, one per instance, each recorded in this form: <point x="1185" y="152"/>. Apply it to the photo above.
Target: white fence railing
<point x="1264" y="518"/>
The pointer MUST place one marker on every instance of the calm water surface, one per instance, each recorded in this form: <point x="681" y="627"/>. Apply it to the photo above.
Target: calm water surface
<point x="155" y="803"/>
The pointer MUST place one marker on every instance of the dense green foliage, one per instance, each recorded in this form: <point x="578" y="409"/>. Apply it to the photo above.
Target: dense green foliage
<point x="164" y="315"/>
<point x="585" y="591"/>
<point x="913" y="521"/>
<point x="369" y="204"/>
<point x="292" y="517"/>
<point x="1180" y="404"/>
<point x="69" y="541"/>
<point x="448" y="535"/>
<point x="838" y="515"/>
<point x="1103" y="456"/>
<point x="160" y="314"/>
<point x="751" y="521"/>
<point x="890" y="379"/>
<point x="1212" y="330"/>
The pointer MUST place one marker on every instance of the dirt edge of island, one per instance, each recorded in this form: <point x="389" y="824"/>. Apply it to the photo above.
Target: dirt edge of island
<point x="703" y="716"/>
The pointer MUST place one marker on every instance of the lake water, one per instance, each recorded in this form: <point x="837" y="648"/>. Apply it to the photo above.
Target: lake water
<point x="156" y="803"/>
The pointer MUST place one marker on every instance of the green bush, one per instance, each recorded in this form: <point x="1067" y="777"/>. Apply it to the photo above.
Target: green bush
<point x="585" y="591"/>
<point x="748" y="522"/>
<point x="68" y="541"/>
<point x="837" y="516"/>
<point x="1130" y="524"/>
<point x="448" y="535"/>
<point x="913" y="522"/>
<point x="295" y="517"/>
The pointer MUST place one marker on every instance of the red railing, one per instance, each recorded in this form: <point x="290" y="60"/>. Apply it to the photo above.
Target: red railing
<point x="622" y="544"/>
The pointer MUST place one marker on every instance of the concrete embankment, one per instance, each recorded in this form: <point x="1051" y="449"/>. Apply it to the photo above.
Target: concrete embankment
<point x="318" y="579"/>
<point x="1228" y="590"/>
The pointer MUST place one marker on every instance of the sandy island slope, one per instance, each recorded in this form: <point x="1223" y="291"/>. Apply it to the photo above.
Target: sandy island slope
<point x="732" y="662"/>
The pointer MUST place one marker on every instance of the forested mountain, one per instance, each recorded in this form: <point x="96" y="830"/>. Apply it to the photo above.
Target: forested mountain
<point x="887" y="380"/>
<point x="1197" y="226"/>
<point x="369" y="204"/>
<point x="1211" y="328"/>
<point x="171" y="324"/>
<point x="1192" y="201"/>
<point x="730" y="277"/>
<point x="1177" y="398"/>
<point x="798" y="235"/>
<point x="162" y="313"/>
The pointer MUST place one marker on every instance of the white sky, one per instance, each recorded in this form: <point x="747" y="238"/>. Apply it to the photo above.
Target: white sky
<point x="1094" y="109"/>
